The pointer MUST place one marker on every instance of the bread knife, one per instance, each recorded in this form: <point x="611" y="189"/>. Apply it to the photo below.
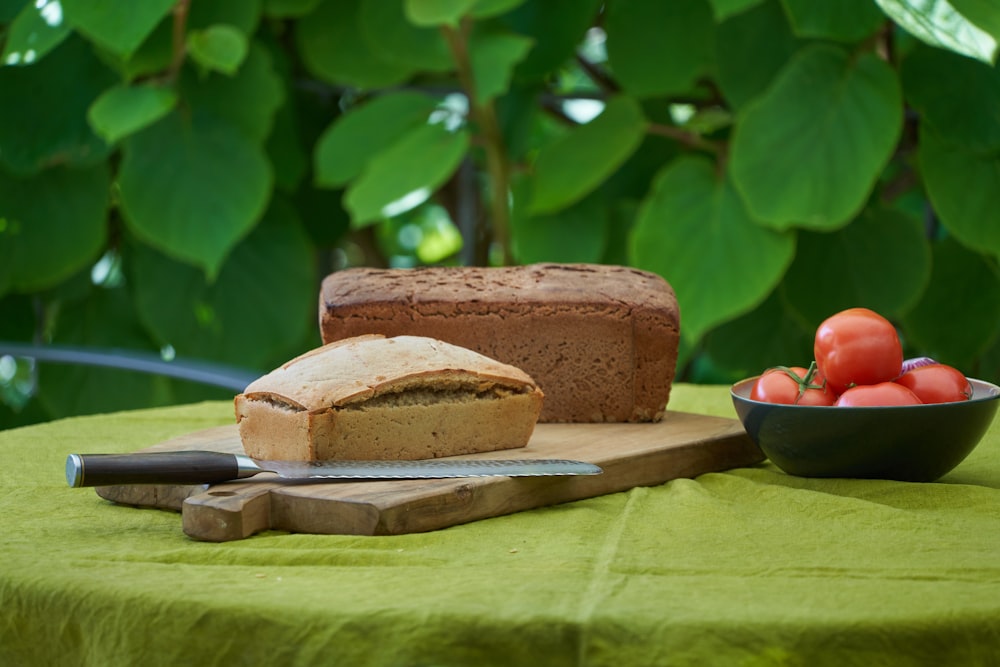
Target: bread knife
<point x="206" y="467"/>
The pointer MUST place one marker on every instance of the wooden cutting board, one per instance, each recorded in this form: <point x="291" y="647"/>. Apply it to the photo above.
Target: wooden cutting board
<point x="682" y="445"/>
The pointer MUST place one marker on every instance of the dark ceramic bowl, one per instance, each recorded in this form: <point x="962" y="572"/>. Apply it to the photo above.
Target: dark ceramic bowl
<point x="914" y="443"/>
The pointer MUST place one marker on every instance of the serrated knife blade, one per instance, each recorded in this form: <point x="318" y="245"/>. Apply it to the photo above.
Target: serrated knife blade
<point x="206" y="467"/>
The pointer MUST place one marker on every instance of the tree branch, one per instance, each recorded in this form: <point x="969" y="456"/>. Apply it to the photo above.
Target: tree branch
<point x="689" y="139"/>
<point x="902" y="183"/>
<point x="598" y="76"/>
<point x="483" y="115"/>
<point x="179" y="47"/>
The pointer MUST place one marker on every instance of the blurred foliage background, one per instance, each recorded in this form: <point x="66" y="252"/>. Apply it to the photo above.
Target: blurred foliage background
<point x="176" y="176"/>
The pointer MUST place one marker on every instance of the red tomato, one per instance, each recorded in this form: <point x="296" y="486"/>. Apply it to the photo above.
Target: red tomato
<point x="937" y="383"/>
<point x="857" y="346"/>
<point x="777" y="385"/>
<point x="881" y="394"/>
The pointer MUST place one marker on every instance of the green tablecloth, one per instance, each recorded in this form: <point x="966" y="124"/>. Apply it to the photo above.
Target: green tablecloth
<point x="748" y="567"/>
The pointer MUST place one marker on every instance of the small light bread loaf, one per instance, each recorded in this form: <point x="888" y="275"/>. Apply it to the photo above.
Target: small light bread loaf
<point x="372" y="397"/>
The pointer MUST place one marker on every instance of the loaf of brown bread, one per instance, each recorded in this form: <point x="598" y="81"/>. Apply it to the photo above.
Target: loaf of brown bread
<point x="600" y="341"/>
<point x="372" y="397"/>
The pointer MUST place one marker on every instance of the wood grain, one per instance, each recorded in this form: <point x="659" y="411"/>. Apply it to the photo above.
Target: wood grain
<point x="682" y="445"/>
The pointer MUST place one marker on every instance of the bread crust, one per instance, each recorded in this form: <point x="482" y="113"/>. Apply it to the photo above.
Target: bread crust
<point x="601" y="341"/>
<point x="377" y="397"/>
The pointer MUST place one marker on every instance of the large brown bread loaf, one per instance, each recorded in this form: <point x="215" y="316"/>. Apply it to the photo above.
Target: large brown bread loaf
<point x="600" y="341"/>
<point x="371" y="397"/>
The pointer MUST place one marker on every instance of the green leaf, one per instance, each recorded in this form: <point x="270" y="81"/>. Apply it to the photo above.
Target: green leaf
<point x="51" y="98"/>
<point x="347" y="145"/>
<point x="519" y="116"/>
<point x="493" y="57"/>
<point x="244" y="15"/>
<point x="809" y="151"/>
<point x="253" y="314"/>
<point x="17" y="385"/>
<point x="322" y="214"/>
<point x="767" y="336"/>
<point x="123" y="110"/>
<point x="751" y="49"/>
<point x="431" y="13"/>
<point x="841" y="20"/>
<point x="9" y="9"/>
<point x="957" y="96"/>
<point x="117" y="25"/>
<point x="955" y="330"/>
<point x="422" y="235"/>
<point x="38" y="28"/>
<point x="151" y="59"/>
<point x="289" y="8"/>
<point x="657" y="48"/>
<point x="334" y="49"/>
<point x="889" y="265"/>
<point x="248" y="100"/>
<point x="578" y="233"/>
<point x="936" y="22"/>
<point x="557" y="28"/>
<point x="421" y="160"/>
<point x="51" y="225"/>
<point x="394" y="39"/>
<point x="105" y="319"/>
<point x="987" y="367"/>
<point x="285" y="148"/>
<point x="576" y="163"/>
<point x="484" y="9"/>
<point x="631" y="181"/>
<point x="220" y="48"/>
<point x="7" y="248"/>
<point x="17" y="317"/>
<point x="193" y="187"/>
<point x="964" y="187"/>
<point x="708" y="121"/>
<point x="724" y="9"/>
<point x="983" y="13"/>
<point x="31" y="413"/>
<point x="440" y="238"/>
<point x="694" y="231"/>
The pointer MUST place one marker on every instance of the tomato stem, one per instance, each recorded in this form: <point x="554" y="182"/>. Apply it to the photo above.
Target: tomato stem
<point x="805" y="383"/>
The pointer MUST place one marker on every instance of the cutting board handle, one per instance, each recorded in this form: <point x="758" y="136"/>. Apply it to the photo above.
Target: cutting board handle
<point x="190" y="467"/>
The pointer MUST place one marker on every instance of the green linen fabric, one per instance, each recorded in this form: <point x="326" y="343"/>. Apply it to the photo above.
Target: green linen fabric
<point x="747" y="567"/>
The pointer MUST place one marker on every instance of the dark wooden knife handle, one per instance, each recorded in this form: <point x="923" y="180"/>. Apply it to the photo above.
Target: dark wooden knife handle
<point x="194" y="467"/>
